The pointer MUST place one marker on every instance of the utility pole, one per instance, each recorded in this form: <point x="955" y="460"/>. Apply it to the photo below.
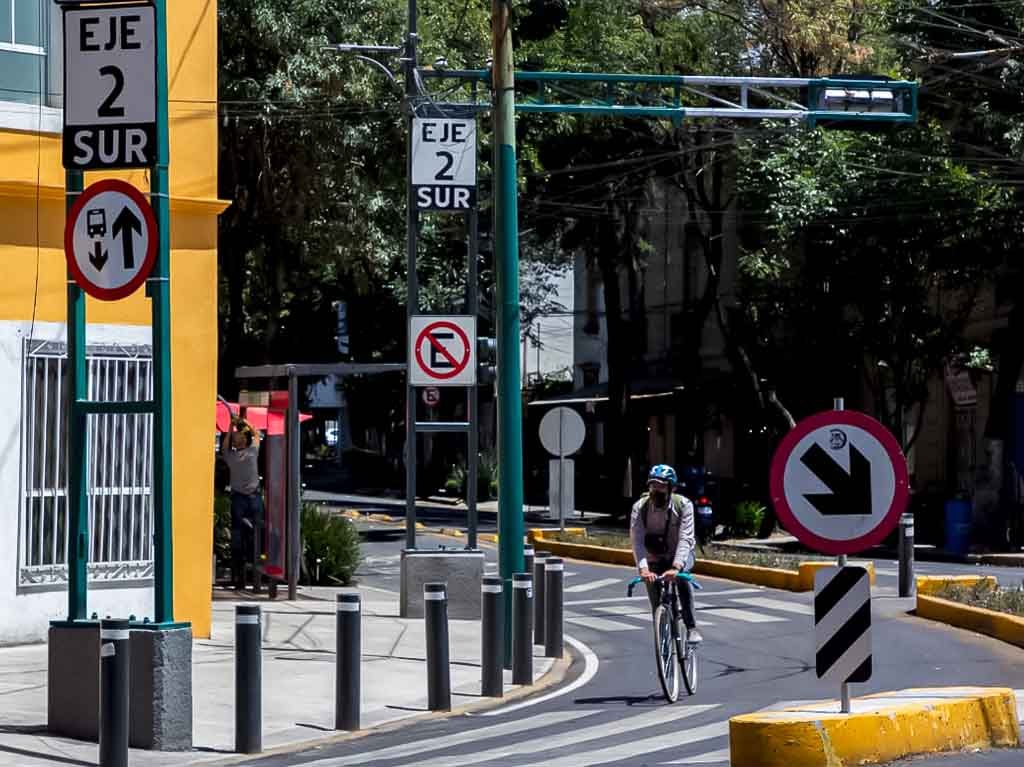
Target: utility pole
<point x="412" y="303"/>
<point x="506" y="268"/>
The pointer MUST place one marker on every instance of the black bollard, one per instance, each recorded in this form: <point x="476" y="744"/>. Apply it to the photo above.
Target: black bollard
<point x="528" y="560"/>
<point x="492" y="618"/>
<point x="553" y="576"/>
<point x="439" y="683"/>
<point x="538" y="597"/>
<point x="347" y="675"/>
<point x="522" y="628"/>
<point x="115" y="664"/>
<point x="248" y="680"/>
<point x="908" y="585"/>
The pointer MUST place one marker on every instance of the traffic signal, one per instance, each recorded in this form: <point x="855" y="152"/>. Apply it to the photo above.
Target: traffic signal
<point x="486" y="359"/>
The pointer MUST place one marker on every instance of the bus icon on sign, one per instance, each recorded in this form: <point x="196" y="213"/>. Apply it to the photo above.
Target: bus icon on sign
<point x="96" y="223"/>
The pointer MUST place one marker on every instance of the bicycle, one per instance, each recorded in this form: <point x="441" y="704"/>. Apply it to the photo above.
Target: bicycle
<point x="671" y="640"/>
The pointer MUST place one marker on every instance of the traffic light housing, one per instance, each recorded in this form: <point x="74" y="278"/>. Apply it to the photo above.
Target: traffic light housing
<point x="486" y="360"/>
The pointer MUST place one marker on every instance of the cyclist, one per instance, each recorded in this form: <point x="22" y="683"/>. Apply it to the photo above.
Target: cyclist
<point x="661" y="530"/>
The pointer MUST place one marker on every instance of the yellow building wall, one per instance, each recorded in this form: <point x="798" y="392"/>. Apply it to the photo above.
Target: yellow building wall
<point x="32" y="215"/>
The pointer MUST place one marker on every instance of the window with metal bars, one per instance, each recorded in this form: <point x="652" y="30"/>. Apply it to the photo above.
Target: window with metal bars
<point x="119" y="465"/>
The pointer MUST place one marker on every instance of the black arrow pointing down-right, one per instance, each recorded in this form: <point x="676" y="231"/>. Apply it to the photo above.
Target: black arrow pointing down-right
<point x="850" y="492"/>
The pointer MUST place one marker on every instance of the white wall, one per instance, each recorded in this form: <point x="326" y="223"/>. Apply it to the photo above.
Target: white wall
<point x="25" y="613"/>
<point x="556" y="334"/>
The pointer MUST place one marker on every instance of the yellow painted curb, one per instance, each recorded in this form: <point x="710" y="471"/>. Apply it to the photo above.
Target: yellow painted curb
<point x="585" y="552"/>
<point x="533" y="534"/>
<point x="1008" y="628"/>
<point x="489" y="537"/>
<point x="773" y="578"/>
<point x="933" y="584"/>
<point x="809" y="569"/>
<point x="882" y="728"/>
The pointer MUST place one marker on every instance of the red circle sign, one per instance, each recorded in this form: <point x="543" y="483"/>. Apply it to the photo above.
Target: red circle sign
<point x="457" y="365"/>
<point x="100" y="236"/>
<point x="839" y="482"/>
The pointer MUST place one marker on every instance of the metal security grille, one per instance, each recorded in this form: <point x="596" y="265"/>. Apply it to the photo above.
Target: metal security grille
<point x="120" y="466"/>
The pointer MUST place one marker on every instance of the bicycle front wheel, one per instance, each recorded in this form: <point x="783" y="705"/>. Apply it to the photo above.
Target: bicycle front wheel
<point x="665" y="653"/>
<point x="689" y="664"/>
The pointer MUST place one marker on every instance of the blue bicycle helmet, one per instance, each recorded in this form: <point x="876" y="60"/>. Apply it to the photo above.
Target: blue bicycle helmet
<point x="664" y="473"/>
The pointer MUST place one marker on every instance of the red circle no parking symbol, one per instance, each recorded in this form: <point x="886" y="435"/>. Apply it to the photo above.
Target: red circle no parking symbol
<point x="447" y="350"/>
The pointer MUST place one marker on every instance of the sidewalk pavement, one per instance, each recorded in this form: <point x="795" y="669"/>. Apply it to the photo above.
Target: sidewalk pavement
<point x="298" y="682"/>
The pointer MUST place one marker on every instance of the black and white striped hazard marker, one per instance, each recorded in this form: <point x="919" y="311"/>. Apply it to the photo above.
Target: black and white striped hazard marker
<point x="842" y="624"/>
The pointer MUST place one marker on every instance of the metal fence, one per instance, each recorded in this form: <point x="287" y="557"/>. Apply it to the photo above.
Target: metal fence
<point x="120" y="465"/>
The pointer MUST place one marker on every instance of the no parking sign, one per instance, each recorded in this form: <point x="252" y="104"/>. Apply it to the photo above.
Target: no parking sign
<point x="442" y="351"/>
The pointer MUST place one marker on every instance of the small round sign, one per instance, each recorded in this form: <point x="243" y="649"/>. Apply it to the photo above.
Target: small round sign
<point x="110" y="240"/>
<point x="431" y="396"/>
<point x="839" y="482"/>
<point x="562" y="431"/>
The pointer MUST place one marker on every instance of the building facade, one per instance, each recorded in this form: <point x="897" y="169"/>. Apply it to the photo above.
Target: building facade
<point x="33" y="335"/>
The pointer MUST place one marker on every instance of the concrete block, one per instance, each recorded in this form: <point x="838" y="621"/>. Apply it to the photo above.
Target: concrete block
<point x="462" y="570"/>
<point x="161" y="686"/>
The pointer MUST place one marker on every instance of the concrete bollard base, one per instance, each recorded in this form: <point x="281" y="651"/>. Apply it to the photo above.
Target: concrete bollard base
<point x="461" y="570"/>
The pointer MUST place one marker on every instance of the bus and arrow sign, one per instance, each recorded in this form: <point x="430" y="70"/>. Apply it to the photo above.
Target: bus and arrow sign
<point x="839" y="482"/>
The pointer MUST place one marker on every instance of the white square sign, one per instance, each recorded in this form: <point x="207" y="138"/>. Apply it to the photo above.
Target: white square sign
<point x="444" y="163"/>
<point x="109" y="87"/>
<point x="442" y="351"/>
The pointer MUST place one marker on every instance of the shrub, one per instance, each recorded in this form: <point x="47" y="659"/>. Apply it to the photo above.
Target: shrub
<point x="749" y="516"/>
<point x="334" y="541"/>
<point x="222" y="528"/>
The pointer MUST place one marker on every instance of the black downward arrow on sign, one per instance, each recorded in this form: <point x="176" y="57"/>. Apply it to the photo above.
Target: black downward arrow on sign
<point x="850" y="492"/>
<point x="126" y="223"/>
<point x="98" y="257"/>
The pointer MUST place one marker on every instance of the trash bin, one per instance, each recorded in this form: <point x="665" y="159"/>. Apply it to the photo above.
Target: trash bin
<point x="958" y="525"/>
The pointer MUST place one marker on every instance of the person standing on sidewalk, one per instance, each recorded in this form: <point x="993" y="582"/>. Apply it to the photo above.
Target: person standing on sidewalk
<point x="240" y="450"/>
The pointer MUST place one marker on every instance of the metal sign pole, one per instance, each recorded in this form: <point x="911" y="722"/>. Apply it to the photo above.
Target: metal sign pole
<point x="412" y="285"/>
<point x="78" y="466"/>
<point x="159" y="290"/>
<point x="844" y="693"/>
<point x="473" y="407"/>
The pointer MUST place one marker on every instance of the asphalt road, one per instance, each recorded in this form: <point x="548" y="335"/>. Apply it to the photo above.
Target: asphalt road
<point x="758" y="653"/>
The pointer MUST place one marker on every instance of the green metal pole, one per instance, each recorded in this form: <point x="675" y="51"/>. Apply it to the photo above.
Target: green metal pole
<point x="506" y="264"/>
<point x="78" y="389"/>
<point x="159" y="290"/>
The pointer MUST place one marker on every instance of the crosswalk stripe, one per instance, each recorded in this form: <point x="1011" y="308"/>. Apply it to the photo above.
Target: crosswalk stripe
<point x="704" y="594"/>
<point x="592" y="585"/>
<point x="711" y="757"/>
<point x="637" y="747"/>
<point x="455" y="739"/>
<point x="601" y="624"/>
<point x="637" y="723"/>
<point x="746" y="616"/>
<point x="777" y="604"/>
<point x="642" y="614"/>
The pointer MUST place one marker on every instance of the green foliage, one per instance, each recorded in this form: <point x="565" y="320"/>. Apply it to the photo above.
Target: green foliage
<point x="222" y="528"/>
<point x="987" y="595"/>
<point x="334" y="541"/>
<point x="748" y="518"/>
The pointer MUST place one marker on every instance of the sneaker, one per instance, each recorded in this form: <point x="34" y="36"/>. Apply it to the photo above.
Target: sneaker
<point x="694" y="637"/>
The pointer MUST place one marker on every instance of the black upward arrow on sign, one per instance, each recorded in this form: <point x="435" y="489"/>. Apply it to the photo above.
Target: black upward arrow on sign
<point x="126" y="223"/>
<point x="850" y="491"/>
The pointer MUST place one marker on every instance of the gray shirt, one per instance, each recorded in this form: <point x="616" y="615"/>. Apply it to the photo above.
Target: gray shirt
<point x="244" y="467"/>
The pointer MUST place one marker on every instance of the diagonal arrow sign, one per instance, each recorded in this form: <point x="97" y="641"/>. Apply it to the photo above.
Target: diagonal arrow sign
<point x="98" y="258"/>
<point x="850" y="493"/>
<point x="126" y="223"/>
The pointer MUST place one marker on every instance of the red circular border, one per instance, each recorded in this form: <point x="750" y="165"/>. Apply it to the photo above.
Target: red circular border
<point x="465" y="342"/>
<point x="149" y="221"/>
<point x="901" y="495"/>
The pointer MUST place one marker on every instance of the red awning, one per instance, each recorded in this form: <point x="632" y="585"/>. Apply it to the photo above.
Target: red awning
<point x="261" y="418"/>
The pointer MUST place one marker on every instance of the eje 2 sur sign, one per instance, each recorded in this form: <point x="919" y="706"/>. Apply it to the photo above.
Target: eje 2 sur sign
<point x="444" y="163"/>
<point x="109" y="87"/>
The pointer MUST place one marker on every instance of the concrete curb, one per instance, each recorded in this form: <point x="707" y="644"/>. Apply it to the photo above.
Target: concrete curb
<point x="787" y="580"/>
<point x="553" y="676"/>
<point x="933" y="584"/>
<point x="1002" y="626"/>
<point x="881" y="728"/>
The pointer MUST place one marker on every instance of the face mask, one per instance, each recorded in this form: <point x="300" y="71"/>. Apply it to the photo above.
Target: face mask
<point x="659" y="497"/>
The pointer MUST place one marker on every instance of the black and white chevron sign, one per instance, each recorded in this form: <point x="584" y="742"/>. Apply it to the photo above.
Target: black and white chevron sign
<point x="842" y="624"/>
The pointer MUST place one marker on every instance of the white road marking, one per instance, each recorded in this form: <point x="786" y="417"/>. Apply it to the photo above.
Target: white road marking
<point x="592" y="585"/>
<point x="455" y="739"/>
<point x="640" y="594"/>
<point x="711" y="757"/>
<point x="777" y="604"/>
<point x="572" y="737"/>
<point x="645" y="743"/>
<point x="746" y="616"/>
<point x="590" y="667"/>
<point x="637" y="612"/>
<point x="602" y="624"/>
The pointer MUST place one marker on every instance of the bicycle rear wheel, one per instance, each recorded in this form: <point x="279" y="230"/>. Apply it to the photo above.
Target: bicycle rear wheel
<point x="665" y="653"/>
<point x="689" y="662"/>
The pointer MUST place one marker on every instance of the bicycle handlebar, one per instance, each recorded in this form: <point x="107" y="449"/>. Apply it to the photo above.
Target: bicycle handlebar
<point x="685" y="576"/>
